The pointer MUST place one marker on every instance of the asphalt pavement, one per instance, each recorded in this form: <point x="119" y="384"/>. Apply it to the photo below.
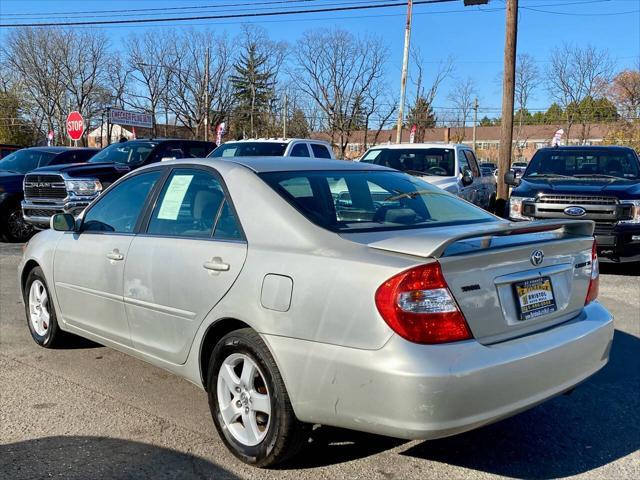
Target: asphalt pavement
<point x="90" y="412"/>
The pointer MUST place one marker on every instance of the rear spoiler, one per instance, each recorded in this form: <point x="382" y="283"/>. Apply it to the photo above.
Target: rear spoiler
<point x="439" y="242"/>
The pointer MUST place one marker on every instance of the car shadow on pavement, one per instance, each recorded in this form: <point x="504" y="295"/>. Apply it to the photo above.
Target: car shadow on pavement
<point x="595" y="425"/>
<point x="331" y="446"/>
<point x="86" y="458"/>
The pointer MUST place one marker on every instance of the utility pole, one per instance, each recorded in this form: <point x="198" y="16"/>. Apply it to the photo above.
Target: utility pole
<point x="405" y="66"/>
<point x="206" y="95"/>
<point x="508" y="88"/>
<point x="284" y="118"/>
<point x="475" y="121"/>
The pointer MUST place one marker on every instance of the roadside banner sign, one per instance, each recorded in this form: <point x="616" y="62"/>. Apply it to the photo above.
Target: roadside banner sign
<point x="75" y="126"/>
<point x="220" y="131"/>
<point x="557" y="138"/>
<point x="132" y="119"/>
<point x="412" y="136"/>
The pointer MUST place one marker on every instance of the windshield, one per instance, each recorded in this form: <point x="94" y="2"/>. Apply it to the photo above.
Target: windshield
<point x="127" y="153"/>
<point x="612" y="163"/>
<point x="427" y="161"/>
<point x="23" y="161"/>
<point x="250" y="149"/>
<point x="348" y="201"/>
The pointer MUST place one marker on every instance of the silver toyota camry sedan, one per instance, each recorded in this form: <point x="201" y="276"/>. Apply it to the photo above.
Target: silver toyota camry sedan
<point x="322" y="292"/>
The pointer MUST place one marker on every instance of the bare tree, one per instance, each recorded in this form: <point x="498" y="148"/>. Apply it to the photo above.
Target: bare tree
<point x="39" y="71"/>
<point x="186" y="95"/>
<point x="576" y="74"/>
<point x="421" y="111"/>
<point x="526" y="81"/>
<point x="337" y="70"/>
<point x="82" y="57"/>
<point x="462" y="96"/>
<point x="148" y="55"/>
<point x="624" y="91"/>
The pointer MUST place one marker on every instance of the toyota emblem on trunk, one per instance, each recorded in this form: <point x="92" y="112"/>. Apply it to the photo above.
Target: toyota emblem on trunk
<point x="575" y="211"/>
<point x="537" y="256"/>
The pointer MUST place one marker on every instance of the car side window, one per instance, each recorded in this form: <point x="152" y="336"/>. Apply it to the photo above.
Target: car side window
<point x="473" y="163"/>
<point x="463" y="163"/>
<point x="227" y="227"/>
<point x="168" y="150"/>
<point x="197" y="150"/>
<point x="320" y="151"/>
<point x="118" y="210"/>
<point x="300" y="150"/>
<point x="192" y="203"/>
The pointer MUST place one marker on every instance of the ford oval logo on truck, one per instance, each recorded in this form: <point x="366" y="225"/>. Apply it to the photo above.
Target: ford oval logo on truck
<point x="575" y="211"/>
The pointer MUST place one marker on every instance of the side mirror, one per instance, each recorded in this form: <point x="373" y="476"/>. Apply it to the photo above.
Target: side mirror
<point x="63" y="222"/>
<point x="467" y="178"/>
<point x="511" y="179"/>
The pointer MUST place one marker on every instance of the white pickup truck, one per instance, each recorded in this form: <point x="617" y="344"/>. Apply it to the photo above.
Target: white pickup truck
<point x="274" y="147"/>
<point x="452" y="167"/>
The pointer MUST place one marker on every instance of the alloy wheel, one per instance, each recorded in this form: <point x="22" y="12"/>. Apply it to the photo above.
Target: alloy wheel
<point x="243" y="399"/>
<point x="39" y="308"/>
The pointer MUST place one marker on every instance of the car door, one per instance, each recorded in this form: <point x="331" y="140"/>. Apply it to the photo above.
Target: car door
<point x="89" y="264"/>
<point x="189" y="256"/>
<point x="479" y="193"/>
<point x="465" y="191"/>
<point x="320" y="151"/>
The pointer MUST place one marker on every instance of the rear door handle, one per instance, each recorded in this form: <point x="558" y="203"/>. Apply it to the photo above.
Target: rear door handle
<point x="115" y="255"/>
<point x="217" y="265"/>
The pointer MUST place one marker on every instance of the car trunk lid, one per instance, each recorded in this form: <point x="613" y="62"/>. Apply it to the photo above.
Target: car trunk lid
<point x="490" y="267"/>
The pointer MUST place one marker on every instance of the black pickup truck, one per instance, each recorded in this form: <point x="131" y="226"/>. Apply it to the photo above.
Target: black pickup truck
<point x="70" y="188"/>
<point x="595" y="183"/>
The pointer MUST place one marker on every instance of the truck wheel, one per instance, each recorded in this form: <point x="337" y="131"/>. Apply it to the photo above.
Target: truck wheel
<point x="14" y="227"/>
<point x="249" y="403"/>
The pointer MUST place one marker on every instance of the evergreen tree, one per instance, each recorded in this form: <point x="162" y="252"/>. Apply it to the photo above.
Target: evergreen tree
<point x="253" y="85"/>
<point x="298" y="126"/>
<point x="422" y="115"/>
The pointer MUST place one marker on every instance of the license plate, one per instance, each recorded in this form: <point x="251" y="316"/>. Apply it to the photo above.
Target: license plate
<point x="535" y="298"/>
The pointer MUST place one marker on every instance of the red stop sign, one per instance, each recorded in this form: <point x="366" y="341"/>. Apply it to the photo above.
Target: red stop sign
<point x="75" y="125"/>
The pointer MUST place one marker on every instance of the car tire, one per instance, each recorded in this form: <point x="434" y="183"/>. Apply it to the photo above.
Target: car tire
<point x="41" y="314"/>
<point x="270" y="438"/>
<point x="13" y="225"/>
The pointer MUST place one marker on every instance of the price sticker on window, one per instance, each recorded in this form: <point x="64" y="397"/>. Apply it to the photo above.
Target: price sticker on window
<point x="173" y="197"/>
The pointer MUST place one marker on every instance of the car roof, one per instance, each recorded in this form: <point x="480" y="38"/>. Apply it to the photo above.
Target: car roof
<point x="275" y="140"/>
<point x="587" y="147"/>
<point x="282" y="164"/>
<point x="61" y="149"/>
<point x="394" y="146"/>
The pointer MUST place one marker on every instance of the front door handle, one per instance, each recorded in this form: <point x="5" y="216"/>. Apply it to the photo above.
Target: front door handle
<point x="217" y="265"/>
<point x="115" y="255"/>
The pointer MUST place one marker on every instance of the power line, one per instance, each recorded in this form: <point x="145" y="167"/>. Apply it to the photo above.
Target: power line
<point x="218" y="17"/>
<point x="164" y="9"/>
<point x="204" y="9"/>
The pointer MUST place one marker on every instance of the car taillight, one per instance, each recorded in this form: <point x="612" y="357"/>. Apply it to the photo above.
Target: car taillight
<point x="594" y="281"/>
<point x="418" y="306"/>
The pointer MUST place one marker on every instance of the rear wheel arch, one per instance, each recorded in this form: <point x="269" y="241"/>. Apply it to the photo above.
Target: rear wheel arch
<point x="214" y="334"/>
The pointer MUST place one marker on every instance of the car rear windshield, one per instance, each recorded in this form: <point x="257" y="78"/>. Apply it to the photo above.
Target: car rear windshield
<point x="127" y="153"/>
<point x="425" y="161"/>
<point x="602" y="163"/>
<point x="250" y="149"/>
<point x="358" y="201"/>
<point x="23" y="161"/>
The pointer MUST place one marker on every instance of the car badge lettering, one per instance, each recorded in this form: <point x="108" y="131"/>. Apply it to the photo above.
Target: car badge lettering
<point x="537" y="256"/>
<point x="575" y="211"/>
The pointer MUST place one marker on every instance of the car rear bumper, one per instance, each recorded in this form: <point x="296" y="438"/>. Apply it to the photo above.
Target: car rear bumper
<point x="619" y="242"/>
<point x="413" y="391"/>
